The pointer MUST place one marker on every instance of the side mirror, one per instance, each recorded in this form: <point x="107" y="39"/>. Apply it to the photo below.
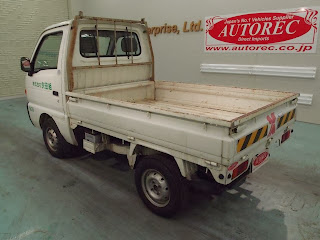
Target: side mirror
<point x="25" y="64"/>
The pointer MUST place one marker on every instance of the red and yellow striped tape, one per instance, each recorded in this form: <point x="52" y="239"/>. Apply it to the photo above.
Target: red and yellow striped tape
<point x="286" y="118"/>
<point x="252" y="138"/>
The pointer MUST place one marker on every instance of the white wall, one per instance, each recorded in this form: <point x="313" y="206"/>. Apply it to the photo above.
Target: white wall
<point x="178" y="57"/>
<point x="21" y="23"/>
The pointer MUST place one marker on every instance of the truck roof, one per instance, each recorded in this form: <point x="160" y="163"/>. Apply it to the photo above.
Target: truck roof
<point x="80" y="16"/>
<point x="58" y="25"/>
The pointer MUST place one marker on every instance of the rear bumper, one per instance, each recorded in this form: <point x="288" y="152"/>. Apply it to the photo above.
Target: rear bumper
<point x="255" y="157"/>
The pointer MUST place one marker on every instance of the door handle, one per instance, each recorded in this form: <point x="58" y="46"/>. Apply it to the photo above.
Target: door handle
<point x="55" y="93"/>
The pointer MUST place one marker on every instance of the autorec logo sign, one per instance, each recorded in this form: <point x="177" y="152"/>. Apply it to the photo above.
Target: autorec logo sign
<point x="281" y="31"/>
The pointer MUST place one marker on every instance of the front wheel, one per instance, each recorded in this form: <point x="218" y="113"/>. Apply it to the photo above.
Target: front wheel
<point x="54" y="141"/>
<point x="160" y="185"/>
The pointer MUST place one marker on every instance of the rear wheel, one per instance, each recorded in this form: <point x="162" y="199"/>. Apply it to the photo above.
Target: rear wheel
<point x="160" y="185"/>
<point x="155" y="187"/>
<point x="54" y="141"/>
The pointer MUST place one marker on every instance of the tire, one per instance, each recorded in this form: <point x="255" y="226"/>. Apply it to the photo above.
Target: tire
<point x="54" y="141"/>
<point x="160" y="185"/>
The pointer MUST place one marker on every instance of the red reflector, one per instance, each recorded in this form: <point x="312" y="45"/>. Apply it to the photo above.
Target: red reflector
<point x="285" y="136"/>
<point x="240" y="169"/>
<point x="25" y="91"/>
<point x="232" y="166"/>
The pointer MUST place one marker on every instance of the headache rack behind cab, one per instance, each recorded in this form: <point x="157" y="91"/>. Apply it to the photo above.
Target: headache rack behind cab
<point x="74" y="30"/>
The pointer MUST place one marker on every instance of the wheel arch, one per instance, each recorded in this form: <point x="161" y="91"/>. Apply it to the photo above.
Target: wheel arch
<point x="139" y="152"/>
<point x="63" y="127"/>
<point x="43" y="118"/>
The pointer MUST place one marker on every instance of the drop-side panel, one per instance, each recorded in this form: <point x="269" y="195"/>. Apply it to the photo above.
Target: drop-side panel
<point x="186" y="136"/>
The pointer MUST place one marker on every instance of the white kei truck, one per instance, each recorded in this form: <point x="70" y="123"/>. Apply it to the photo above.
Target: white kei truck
<point x="90" y="85"/>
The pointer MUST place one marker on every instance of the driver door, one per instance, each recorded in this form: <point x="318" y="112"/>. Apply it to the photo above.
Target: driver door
<point x="44" y="84"/>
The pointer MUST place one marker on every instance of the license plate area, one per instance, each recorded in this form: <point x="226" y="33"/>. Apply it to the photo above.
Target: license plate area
<point x="260" y="160"/>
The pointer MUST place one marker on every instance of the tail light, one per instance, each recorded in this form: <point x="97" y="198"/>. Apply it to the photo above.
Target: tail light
<point x="25" y="91"/>
<point x="240" y="169"/>
<point x="285" y="136"/>
<point x="232" y="166"/>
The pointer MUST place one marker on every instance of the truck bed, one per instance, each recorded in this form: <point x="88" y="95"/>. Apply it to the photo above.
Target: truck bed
<point x="226" y="106"/>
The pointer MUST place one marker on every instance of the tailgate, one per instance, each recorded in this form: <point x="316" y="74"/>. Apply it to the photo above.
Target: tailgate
<point x="275" y="122"/>
<point x="250" y="145"/>
<point x="262" y="130"/>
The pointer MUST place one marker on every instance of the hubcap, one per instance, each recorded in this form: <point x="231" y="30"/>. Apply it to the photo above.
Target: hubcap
<point x="155" y="188"/>
<point x="52" y="139"/>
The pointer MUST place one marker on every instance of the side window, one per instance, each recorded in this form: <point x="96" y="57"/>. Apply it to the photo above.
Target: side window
<point x="107" y="46"/>
<point x="48" y="52"/>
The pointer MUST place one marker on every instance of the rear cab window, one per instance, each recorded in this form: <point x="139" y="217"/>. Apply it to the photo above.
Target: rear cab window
<point x="107" y="45"/>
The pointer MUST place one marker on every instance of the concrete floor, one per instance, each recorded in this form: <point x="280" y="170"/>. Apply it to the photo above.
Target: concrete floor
<point x="94" y="197"/>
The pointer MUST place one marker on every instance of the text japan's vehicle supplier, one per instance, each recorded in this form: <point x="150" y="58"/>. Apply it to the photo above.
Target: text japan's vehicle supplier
<point x="90" y="85"/>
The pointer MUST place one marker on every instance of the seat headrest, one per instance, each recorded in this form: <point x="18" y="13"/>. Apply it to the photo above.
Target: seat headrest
<point x="88" y="45"/>
<point x="126" y="45"/>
